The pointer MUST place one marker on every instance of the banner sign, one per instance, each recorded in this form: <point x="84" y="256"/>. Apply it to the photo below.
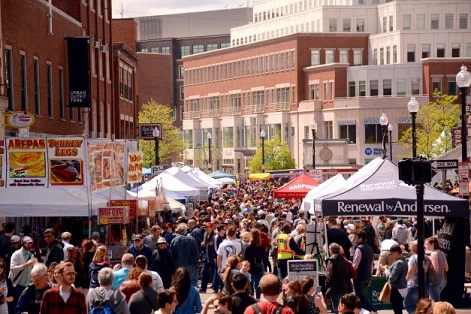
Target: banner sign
<point x="79" y="85"/>
<point x="146" y="130"/>
<point x="132" y="204"/>
<point x="134" y="167"/>
<point x="3" y="164"/>
<point x="113" y="215"/>
<point x="27" y="162"/>
<point x="297" y="270"/>
<point x="66" y="161"/>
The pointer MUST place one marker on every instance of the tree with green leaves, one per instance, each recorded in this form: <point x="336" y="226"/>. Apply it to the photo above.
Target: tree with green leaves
<point x="435" y="122"/>
<point x="171" y="144"/>
<point x="277" y="156"/>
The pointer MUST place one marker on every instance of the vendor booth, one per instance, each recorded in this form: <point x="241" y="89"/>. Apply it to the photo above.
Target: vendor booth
<point x="296" y="188"/>
<point x="375" y="190"/>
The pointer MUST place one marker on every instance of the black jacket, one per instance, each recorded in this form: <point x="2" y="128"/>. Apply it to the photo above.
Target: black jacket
<point x="162" y="262"/>
<point x="338" y="275"/>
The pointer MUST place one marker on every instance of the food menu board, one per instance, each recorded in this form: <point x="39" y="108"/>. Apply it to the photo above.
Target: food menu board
<point x="119" y="165"/>
<point x="106" y="165"/>
<point x="2" y="164"/>
<point x="134" y="167"/>
<point x="26" y="162"/>
<point x="66" y="161"/>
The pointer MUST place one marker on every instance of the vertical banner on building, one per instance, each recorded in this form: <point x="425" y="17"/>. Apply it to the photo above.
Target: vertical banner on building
<point x="134" y="167"/>
<point x="3" y="176"/>
<point x="26" y="159"/>
<point x="119" y="164"/>
<point x="66" y="161"/>
<point x="95" y="154"/>
<point x="79" y="86"/>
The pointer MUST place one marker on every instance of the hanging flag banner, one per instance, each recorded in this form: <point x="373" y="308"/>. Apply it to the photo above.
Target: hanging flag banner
<point x="2" y="164"/>
<point x="134" y="167"/>
<point x="26" y="162"/>
<point x="66" y="160"/>
<point x="119" y="164"/>
<point x="77" y="55"/>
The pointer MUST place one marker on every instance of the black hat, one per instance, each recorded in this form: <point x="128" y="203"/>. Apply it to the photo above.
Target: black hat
<point x="395" y="248"/>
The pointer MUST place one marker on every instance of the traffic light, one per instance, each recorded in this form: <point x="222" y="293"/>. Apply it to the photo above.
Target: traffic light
<point x="415" y="171"/>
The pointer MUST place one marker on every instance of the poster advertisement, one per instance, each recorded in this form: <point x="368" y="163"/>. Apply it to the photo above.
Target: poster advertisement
<point x="27" y="162"/>
<point x="66" y="160"/>
<point x="119" y="164"/>
<point x="113" y="215"/>
<point x="2" y="164"/>
<point x="132" y="204"/>
<point x="298" y="269"/>
<point x="134" y="167"/>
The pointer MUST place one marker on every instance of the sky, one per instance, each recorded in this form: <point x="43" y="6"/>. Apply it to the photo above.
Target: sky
<point x="134" y="8"/>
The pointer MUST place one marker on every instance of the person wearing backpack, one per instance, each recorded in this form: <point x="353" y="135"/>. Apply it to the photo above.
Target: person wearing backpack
<point x="104" y="299"/>
<point x="270" y="286"/>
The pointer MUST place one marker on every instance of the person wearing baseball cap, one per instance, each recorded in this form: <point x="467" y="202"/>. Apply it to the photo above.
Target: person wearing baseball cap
<point x="22" y="262"/>
<point x="139" y="248"/>
<point x="162" y="262"/>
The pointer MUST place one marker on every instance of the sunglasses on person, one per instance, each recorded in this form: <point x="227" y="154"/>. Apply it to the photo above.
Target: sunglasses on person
<point x="137" y="240"/>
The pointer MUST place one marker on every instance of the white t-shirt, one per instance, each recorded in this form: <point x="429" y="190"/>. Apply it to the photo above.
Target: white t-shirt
<point x="229" y="248"/>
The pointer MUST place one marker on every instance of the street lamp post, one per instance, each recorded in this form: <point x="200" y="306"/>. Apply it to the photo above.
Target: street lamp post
<point x="463" y="80"/>
<point x="156" y="135"/>
<point x="390" y="129"/>
<point x="210" y="136"/>
<point x="313" y="127"/>
<point x="413" y="107"/>
<point x="262" y="137"/>
<point x="383" y="120"/>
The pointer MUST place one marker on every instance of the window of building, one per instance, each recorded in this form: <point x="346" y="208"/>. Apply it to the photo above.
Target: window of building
<point x="375" y="56"/>
<point x="406" y="21"/>
<point x="36" y="88"/>
<point x="314" y="91"/>
<point x="343" y="56"/>
<point x="329" y="129"/>
<point x="331" y="91"/>
<point x="225" y="45"/>
<point x="434" y="21"/>
<point x="385" y="24"/>
<point x="348" y="131"/>
<point x="326" y="92"/>
<point x="394" y="54"/>
<point x="391" y="23"/>
<point x="9" y="78"/>
<point x="182" y="92"/>
<point x="374" y="88"/>
<point x="436" y="84"/>
<point x="235" y="100"/>
<point x="420" y="22"/>
<point x="332" y="25"/>
<point x="198" y="48"/>
<point x="449" y="21"/>
<point x="165" y="50"/>
<point x="181" y="72"/>
<point x="282" y="95"/>
<point x="24" y="86"/>
<point x="463" y="21"/>
<point x="468" y="50"/>
<point x="425" y="51"/>
<point x="50" y="104"/>
<point x="210" y="47"/>
<point x="387" y="87"/>
<point x="228" y="137"/>
<point x="361" y="88"/>
<point x="61" y="94"/>
<point x="184" y="51"/>
<point x="455" y="50"/>
<point x="346" y="25"/>
<point x="452" y="85"/>
<point x="388" y="55"/>
<point x="381" y="55"/>
<point x="315" y="57"/>
<point x="410" y="52"/>
<point x="329" y="56"/>
<point x="357" y="57"/>
<point x="441" y="50"/>
<point x="351" y="89"/>
<point x="415" y="86"/>
<point x="401" y="86"/>
<point x="360" y="23"/>
<point x="373" y="131"/>
<point x="258" y="100"/>
<point x="194" y="105"/>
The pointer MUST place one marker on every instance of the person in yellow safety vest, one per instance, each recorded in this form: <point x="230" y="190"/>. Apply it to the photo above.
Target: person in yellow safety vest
<point x="287" y="248"/>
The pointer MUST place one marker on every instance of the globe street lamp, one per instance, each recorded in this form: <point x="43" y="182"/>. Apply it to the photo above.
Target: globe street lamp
<point x="313" y="127"/>
<point x="210" y="136"/>
<point x="390" y="129"/>
<point x="383" y="120"/>
<point x="463" y="80"/>
<point x="413" y="107"/>
<point x="156" y="135"/>
<point x="262" y="137"/>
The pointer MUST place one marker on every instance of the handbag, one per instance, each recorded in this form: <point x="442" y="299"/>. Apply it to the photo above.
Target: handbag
<point x="385" y="295"/>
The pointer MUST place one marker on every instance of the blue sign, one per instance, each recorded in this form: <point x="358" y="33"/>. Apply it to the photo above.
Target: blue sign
<point x="368" y="151"/>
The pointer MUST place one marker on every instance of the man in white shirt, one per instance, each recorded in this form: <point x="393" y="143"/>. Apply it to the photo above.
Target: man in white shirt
<point x="66" y="237"/>
<point x="230" y="246"/>
<point x="21" y="263"/>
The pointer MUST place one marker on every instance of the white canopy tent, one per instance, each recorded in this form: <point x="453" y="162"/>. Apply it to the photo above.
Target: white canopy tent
<point x="169" y="182"/>
<point x="325" y="188"/>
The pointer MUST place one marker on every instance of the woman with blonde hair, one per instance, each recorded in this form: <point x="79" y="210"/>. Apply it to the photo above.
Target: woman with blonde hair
<point x="232" y="265"/>
<point x="99" y="261"/>
<point x="443" y="308"/>
<point x="425" y="306"/>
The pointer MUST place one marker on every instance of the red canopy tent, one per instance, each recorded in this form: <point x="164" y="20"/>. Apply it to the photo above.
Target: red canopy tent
<point x="296" y="188"/>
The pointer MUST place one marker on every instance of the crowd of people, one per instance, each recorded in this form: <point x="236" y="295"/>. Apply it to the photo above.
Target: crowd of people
<point x="238" y="243"/>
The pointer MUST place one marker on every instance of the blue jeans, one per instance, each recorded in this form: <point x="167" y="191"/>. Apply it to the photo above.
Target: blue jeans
<point x="193" y="270"/>
<point x="217" y="282"/>
<point x="282" y="268"/>
<point x="208" y="274"/>
<point x="360" y="286"/>
<point x="335" y="300"/>
<point x="255" y="282"/>
<point x="436" y="289"/>
<point x="411" y="299"/>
